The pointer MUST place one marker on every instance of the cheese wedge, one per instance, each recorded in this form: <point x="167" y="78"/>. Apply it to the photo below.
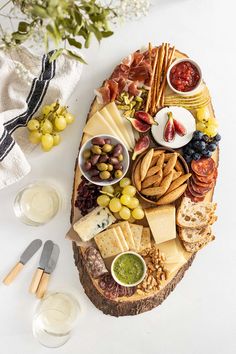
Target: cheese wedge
<point x="175" y="254"/>
<point x="145" y="239"/>
<point x="98" y="125"/>
<point x="122" y="123"/>
<point x="162" y="222"/>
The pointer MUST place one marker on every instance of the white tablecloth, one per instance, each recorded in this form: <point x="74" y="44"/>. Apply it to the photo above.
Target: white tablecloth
<point x="199" y="317"/>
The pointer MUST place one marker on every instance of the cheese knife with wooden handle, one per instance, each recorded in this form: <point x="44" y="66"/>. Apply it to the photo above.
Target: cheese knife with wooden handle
<point x="43" y="262"/>
<point x="48" y="271"/>
<point x="26" y="255"/>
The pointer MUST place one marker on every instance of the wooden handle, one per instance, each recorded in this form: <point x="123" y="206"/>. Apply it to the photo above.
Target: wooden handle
<point x="42" y="285"/>
<point x="35" y="280"/>
<point x="13" y="273"/>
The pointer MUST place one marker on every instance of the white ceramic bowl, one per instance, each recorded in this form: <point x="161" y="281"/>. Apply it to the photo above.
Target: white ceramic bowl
<point x="144" y="269"/>
<point x="125" y="162"/>
<point x="183" y="93"/>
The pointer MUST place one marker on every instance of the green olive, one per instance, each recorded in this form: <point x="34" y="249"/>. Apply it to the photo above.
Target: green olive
<point x="107" y="147"/>
<point x="109" y="167"/>
<point x="118" y="174"/>
<point x="102" y="166"/>
<point x="120" y="157"/>
<point x="104" y="175"/>
<point x="86" y="154"/>
<point x="96" y="150"/>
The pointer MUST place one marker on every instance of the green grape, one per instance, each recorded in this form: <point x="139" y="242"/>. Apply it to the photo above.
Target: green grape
<point x="134" y="203"/>
<point x="211" y="131"/>
<point x="125" y="182"/>
<point x="46" y="126"/>
<point x="115" y="205"/>
<point x="69" y="118"/>
<point x="201" y="126"/>
<point x="103" y="200"/>
<point x="33" y="124"/>
<point x="138" y="213"/>
<point x="117" y="190"/>
<point x="124" y="213"/>
<point x="47" y="142"/>
<point x="56" y="139"/>
<point x="60" y="123"/>
<point x="203" y="114"/>
<point x="46" y="109"/>
<point x="108" y="189"/>
<point x="125" y="199"/>
<point x="130" y="190"/>
<point x="35" y="137"/>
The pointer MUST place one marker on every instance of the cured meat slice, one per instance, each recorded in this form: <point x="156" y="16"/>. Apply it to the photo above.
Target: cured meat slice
<point x="132" y="89"/>
<point x="94" y="262"/>
<point x="193" y="198"/>
<point x="203" y="167"/>
<point x="199" y="189"/>
<point x="202" y="184"/>
<point x="192" y="191"/>
<point x="209" y="178"/>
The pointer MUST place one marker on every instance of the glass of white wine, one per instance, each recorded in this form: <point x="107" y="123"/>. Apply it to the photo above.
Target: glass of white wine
<point x="55" y="317"/>
<point x="37" y="203"/>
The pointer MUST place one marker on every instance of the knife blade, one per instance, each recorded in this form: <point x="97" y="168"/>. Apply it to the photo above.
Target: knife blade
<point x="48" y="271"/>
<point x="30" y="250"/>
<point x="43" y="262"/>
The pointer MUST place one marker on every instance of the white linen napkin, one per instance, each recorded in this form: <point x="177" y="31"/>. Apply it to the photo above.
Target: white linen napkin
<point x="21" y="95"/>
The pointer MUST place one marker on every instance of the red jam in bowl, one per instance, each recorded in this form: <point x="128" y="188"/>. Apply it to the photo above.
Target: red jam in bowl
<point x="184" y="76"/>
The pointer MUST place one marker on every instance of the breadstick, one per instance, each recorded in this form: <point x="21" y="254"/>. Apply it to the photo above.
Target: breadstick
<point x="157" y="78"/>
<point x="149" y="97"/>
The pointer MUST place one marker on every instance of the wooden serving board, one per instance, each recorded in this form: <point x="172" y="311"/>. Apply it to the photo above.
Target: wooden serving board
<point x="122" y="306"/>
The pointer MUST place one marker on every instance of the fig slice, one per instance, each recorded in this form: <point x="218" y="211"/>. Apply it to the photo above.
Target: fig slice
<point x="145" y="117"/>
<point x="138" y="125"/>
<point x="179" y="128"/>
<point x="169" y="130"/>
<point x="141" y="145"/>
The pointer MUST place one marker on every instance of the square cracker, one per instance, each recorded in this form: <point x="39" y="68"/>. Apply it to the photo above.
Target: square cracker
<point x="108" y="243"/>
<point x="145" y="239"/>
<point x="137" y="235"/>
<point x="122" y="238"/>
<point x="125" y="227"/>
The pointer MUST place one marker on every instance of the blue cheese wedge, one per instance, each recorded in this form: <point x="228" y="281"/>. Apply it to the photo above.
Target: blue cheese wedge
<point x="93" y="223"/>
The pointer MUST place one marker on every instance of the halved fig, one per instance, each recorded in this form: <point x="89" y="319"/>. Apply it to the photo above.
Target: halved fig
<point x="169" y="130"/>
<point x="139" y="125"/>
<point x="141" y="145"/>
<point x="179" y="128"/>
<point x="145" y="117"/>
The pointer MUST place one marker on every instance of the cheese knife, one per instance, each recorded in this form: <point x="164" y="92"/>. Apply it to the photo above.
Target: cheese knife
<point x="43" y="262"/>
<point x="48" y="271"/>
<point x="30" y="250"/>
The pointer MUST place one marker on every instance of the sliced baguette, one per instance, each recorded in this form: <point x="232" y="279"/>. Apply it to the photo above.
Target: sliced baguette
<point x="194" y="235"/>
<point x="196" y="246"/>
<point x="195" y="215"/>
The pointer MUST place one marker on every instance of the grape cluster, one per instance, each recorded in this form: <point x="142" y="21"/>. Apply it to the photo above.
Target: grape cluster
<point x="201" y="145"/>
<point x="121" y="199"/>
<point x="45" y="128"/>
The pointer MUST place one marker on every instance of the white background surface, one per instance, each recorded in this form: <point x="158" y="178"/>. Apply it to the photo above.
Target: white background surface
<point x="199" y="317"/>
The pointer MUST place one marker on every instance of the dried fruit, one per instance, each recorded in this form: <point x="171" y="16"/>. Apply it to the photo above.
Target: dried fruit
<point x="169" y="131"/>
<point x="142" y="144"/>
<point x="179" y="128"/>
<point x="87" y="194"/>
<point x="139" y="125"/>
<point x="145" y="117"/>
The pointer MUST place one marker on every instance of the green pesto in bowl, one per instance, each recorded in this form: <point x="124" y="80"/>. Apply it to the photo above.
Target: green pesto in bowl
<point x="128" y="268"/>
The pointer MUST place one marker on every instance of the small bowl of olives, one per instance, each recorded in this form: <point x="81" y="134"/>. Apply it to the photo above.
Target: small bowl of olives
<point x="103" y="160"/>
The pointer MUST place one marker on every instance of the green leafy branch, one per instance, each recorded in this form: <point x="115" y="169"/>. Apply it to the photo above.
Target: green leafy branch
<point x="70" y="22"/>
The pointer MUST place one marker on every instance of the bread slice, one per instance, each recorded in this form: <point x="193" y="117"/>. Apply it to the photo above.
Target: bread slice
<point x="194" y="235"/>
<point x="196" y="215"/>
<point x="196" y="246"/>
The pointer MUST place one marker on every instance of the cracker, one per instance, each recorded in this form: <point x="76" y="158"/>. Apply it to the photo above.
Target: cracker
<point x="145" y="239"/>
<point x="108" y="243"/>
<point x="122" y="238"/>
<point x="125" y="227"/>
<point x="137" y="235"/>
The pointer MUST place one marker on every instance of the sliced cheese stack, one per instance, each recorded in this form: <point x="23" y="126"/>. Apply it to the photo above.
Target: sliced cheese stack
<point x="109" y="121"/>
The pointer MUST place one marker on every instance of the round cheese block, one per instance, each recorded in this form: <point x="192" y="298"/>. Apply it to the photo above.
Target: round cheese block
<point x="180" y="114"/>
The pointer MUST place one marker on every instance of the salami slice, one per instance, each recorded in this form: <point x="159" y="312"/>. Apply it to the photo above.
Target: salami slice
<point x="192" y="191"/>
<point x="193" y="198"/>
<point x="203" y="167"/>
<point x="94" y="262"/>
<point x="199" y="189"/>
<point x="209" y="178"/>
<point x="202" y="184"/>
